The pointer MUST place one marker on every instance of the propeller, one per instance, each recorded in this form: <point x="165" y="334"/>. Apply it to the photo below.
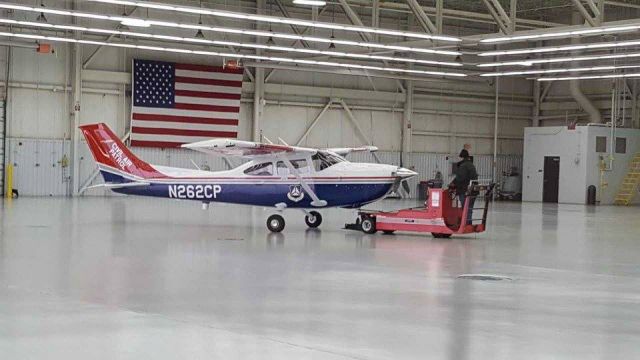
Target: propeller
<point x="405" y="186"/>
<point x="402" y="180"/>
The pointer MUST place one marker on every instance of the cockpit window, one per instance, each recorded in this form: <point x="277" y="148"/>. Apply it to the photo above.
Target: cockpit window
<point x="322" y="160"/>
<point x="264" y="169"/>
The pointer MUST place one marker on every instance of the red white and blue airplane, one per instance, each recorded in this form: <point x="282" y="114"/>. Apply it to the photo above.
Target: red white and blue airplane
<point x="279" y="176"/>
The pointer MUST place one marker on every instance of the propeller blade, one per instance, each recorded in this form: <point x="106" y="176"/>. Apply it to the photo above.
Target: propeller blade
<point x="405" y="186"/>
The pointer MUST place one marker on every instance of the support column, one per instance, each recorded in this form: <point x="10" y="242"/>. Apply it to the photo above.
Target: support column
<point x="535" y="113"/>
<point x="75" y="132"/>
<point x="439" y="10"/>
<point x="634" y="104"/>
<point x="258" y="84"/>
<point x="495" y="131"/>
<point x="406" y="124"/>
<point x="375" y="17"/>
<point x="258" y="96"/>
<point x="513" y="15"/>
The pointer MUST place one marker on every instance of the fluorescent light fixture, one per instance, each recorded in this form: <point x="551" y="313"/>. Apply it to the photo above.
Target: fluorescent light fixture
<point x="310" y="2"/>
<point x="564" y="34"/>
<point x="228" y="30"/>
<point x="591" y="77"/>
<point x="562" y="59"/>
<point x="135" y="22"/>
<point x="203" y="41"/>
<point x="561" y="48"/>
<point x="562" y="70"/>
<point x="278" y="20"/>
<point x="232" y="55"/>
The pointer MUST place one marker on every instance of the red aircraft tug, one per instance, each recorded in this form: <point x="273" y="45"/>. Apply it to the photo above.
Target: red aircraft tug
<point x="441" y="214"/>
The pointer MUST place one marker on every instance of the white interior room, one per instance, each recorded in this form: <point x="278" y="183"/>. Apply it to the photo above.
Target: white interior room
<point x="543" y="94"/>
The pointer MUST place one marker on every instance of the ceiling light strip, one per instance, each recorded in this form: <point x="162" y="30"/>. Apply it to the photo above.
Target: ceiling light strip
<point x="564" y="34"/>
<point x="228" y="43"/>
<point x="562" y="59"/>
<point x="561" y="48"/>
<point x="232" y="55"/>
<point x="277" y="20"/>
<point x="228" y="30"/>
<point x="555" y="71"/>
<point x="591" y="77"/>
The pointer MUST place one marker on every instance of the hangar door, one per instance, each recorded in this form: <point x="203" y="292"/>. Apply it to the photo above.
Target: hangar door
<point x="551" y="179"/>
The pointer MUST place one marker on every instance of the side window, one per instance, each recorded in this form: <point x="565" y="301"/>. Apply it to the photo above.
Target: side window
<point x="601" y="144"/>
<point x="282" y="169"/>
<point x="264" y="169"/>
<point x="621" y="145"/>
<point x="300" y="165"/>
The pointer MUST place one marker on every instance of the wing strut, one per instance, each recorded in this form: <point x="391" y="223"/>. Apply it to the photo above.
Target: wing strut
<point x="316" y="200"/>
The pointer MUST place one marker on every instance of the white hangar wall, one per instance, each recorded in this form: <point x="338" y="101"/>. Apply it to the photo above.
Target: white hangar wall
<point x="446" y="114"/>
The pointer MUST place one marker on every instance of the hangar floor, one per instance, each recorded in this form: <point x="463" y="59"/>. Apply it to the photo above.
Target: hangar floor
<point x="131" y="278"/>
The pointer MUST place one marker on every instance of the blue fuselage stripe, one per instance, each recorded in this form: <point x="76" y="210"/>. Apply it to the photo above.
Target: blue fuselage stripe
<point x="351" y="194"/>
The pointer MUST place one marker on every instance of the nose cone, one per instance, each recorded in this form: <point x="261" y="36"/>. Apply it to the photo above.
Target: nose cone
<point x="404" y="173"/>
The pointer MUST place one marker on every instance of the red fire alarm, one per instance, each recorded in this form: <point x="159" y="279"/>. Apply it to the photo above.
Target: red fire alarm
<point x="44" y="49"/>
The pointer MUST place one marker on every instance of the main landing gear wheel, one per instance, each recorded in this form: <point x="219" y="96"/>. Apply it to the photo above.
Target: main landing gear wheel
<point x="368" y="225"/>
<point x="441" y="235"/>
<point x="313" y="219"/>
<point x="275" y="223"/>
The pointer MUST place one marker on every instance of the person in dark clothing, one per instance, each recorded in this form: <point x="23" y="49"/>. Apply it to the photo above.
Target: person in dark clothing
<point x="465" y="172"/>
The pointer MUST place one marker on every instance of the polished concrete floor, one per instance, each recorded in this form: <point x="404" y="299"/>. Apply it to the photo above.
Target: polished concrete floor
<point x="133" y="278"/>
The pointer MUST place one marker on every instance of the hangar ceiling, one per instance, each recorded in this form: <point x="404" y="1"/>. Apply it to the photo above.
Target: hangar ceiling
<point x="402" y="39"/>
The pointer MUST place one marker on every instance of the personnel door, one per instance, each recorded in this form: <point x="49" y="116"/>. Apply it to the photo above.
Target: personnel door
<point x="551" y="179"/>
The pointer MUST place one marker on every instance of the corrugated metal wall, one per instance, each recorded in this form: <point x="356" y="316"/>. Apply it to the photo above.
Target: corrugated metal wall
<point x="39" y="166"/>
<point x="38" y="170"/>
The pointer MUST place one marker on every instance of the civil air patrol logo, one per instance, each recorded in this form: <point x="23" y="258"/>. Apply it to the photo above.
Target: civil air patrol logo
<point x="295" y="193"/>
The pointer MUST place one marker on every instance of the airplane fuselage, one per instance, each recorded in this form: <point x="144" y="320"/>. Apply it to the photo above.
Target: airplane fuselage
<point x="343" y="184"/>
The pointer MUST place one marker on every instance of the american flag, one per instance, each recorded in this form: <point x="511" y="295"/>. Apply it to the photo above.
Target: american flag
<point x="174" y="104"/>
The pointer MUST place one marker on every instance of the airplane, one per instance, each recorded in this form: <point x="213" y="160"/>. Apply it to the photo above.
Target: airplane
<point x="276" y="175"/>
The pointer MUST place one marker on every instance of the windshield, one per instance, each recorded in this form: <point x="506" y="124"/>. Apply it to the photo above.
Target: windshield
<point x="322" y="160"/>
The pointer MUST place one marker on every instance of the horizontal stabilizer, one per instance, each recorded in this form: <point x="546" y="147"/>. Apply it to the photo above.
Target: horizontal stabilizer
<point x="118" y="185"/>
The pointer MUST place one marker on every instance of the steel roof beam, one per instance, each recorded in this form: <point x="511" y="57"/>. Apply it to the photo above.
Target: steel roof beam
<point x="592" y="20"/>
<point x="425" y="23"/>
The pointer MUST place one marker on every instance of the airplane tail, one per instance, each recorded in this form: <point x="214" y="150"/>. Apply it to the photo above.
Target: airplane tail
<point x="115" y="161"/>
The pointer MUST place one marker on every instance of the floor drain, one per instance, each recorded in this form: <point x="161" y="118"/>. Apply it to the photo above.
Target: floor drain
<point x="485" y="277"/>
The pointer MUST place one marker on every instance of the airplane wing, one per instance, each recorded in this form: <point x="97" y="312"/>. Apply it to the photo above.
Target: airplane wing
<point x="345" y="151"/>
<point x="246" y="149"/>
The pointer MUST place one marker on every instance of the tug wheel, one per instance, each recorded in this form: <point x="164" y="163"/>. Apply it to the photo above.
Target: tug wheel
<point x="313" y="219"/>
<point x="275" y="223"/>
<point x="368" y="225"/>
<point x="441" y="235"/>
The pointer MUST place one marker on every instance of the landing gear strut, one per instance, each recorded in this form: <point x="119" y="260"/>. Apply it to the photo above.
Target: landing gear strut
<point x="275" y="223"/>
<point x="313" y="219"/>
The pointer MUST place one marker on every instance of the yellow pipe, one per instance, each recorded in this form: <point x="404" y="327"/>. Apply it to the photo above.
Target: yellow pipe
<point x="9" y="181"/>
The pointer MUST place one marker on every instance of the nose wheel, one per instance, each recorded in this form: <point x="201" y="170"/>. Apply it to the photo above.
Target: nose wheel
<point x="275" y="223"/>
<point x="313" y="219"/>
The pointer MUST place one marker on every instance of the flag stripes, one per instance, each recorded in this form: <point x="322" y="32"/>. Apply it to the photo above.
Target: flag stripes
<point x="175" y="103"/>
